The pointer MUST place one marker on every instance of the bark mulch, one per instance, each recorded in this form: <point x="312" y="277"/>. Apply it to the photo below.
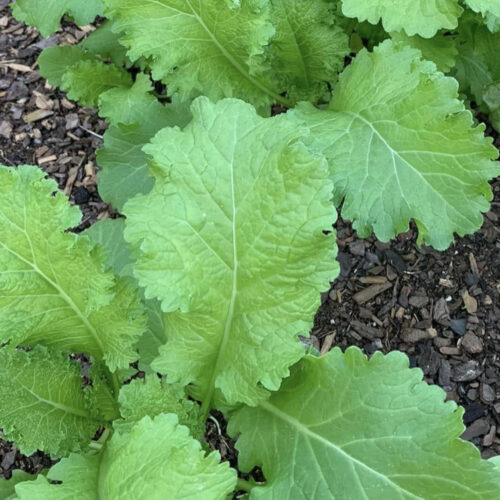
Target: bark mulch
<point x="441" y="308"/>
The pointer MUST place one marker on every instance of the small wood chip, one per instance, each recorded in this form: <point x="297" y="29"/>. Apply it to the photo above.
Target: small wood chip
<point x="37" y="115"/>
<point x="47" y="159"/>
<point x="327" y="344"/>
<point x="372" y="291"/>
<point x="22" y="68"/>
<point x="469" y="302"/>
<point x="473" y="264"/>
<point x="373" y="280"/>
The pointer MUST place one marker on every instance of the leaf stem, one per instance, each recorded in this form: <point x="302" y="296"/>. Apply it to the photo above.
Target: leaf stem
<point x="244" y="485"/>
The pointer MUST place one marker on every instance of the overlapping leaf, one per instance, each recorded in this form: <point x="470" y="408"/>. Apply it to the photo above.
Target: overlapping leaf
<point x="308" y="48"/>
<point x="416" y="17"/>
<point x="54" y="288"/>
<point x="157" y="459"/>
<point x="345" y="427"/>
<point x="46" y="15"/>
<point x="212" y="48"/>
<point x="490" y="9"/>
<point x="44" y="406"/>
<point x="136" y="116"/>
<point x="401" y="146"/>
<point x="151" y="397"/>
<point x="7" y="486"/>
<point x="231" y="241"/>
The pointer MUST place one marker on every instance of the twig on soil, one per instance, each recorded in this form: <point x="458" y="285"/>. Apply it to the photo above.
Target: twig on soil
<point x="91" y="133"/>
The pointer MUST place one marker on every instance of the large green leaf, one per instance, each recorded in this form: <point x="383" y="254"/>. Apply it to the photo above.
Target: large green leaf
<point x="156" y="460"/>
<point x="308" y="48"/>
<point x="231" y="241"/>
<point x="44" y="406"/>
<point x="211" y="47"/>
<point x="54" y="288"/>
<point x="151" y="396"/>
<point x="401" y="146"/>
<point x="136" y="116"/>
<point x="46" y="15"/>
<point x="104" y="42"/>
<point x="348" y="428"/>
<point x="416" y="17"/>
<point x="54" y="62"/>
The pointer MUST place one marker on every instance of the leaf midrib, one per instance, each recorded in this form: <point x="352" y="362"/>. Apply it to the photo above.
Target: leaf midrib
<point x="302" y="429"/>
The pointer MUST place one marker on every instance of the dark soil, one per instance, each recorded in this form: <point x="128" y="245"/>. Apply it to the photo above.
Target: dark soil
<point x="442" y="309"/>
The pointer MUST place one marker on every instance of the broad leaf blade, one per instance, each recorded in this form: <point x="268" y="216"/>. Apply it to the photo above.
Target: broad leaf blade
<point x="7" y="486"/>
<point x="161" y="460"/>
<point x="416" y="17"/>
<point x="396" y="134"/>
<point x="43" y="404"/>
<point x="345" y="427"/>
<point x="54" y="62"/>
<point x="224" y="243"/>
<point x="212" y="48"/>
<point x="54" y="288"/>
<point x="490" y="9"/>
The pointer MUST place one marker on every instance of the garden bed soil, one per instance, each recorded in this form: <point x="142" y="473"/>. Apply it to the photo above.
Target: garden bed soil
<point x="441" y="308"/>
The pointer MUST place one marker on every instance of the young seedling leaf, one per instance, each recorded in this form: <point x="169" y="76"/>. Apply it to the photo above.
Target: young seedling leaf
<point x="403" y="149"/>
<point x="308" y="48"/>
<point x="224" y="242"/>
<point x="46" y="15"/>
<point x="152" y="396"/>
<point x="416" y="17"/>
<point x="136" y="116"/>
<point x="54" y="288"/>
<point x="44" y="406"/>
<point x="157" y="459"/>
<point x="212" y="48"/>
<point x="345" y="427"/>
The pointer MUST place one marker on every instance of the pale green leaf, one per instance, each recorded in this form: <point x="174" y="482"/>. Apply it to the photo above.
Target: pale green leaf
<point x="54" y="288"/>
<point x="152" y="396"/>
<point x="136" y="116"/>
<point x="86" y="80"/>
<point x="492" y="100"/>
<point x="441" y="49"/>
<point x="7" y="486"/>
<point x="104" y="42"/>
<point x="54" y="62"/>
<point x="308" y="48"/>
<point x="109" y="234"/>
<point x="490" y="9"/>
<point x="343" y="427"/>
<point x="43" y="404"/>
<point x="212" y="48"/>
<point x="231" y="241"/>
<point x="46" y="15"/>
<point x="401" y="146"/>
<point x="156" y="460"/>
<point x="416" y="17"/>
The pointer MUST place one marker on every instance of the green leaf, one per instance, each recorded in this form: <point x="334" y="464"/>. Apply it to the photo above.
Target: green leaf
<point x="86" y="80"/>
<point x="345" y="427"/>
<point x="7" y="486"/>
<point x="44" y="406"/>
<point x="224" y="242"/>
<point x="416" y="17"/>
<point x="54" y="62"/>
<point x="156" y="460"/>
<point x="396" y="134"/>
<point x="490" y="9"/>
<point x="46" y="15"/>
<point x="441" y="49"/>
<point x="308" y="48"/>
<point x="104" y="42"/>
<point x="136" y="116"/>
<point x="109" y="234"/>
<point x="492" y="100"/>
<point x="54" y="288"/>
<point x="152" y="396"/>
<point x="478" y="65"/>
<point x="212" y="48"/>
